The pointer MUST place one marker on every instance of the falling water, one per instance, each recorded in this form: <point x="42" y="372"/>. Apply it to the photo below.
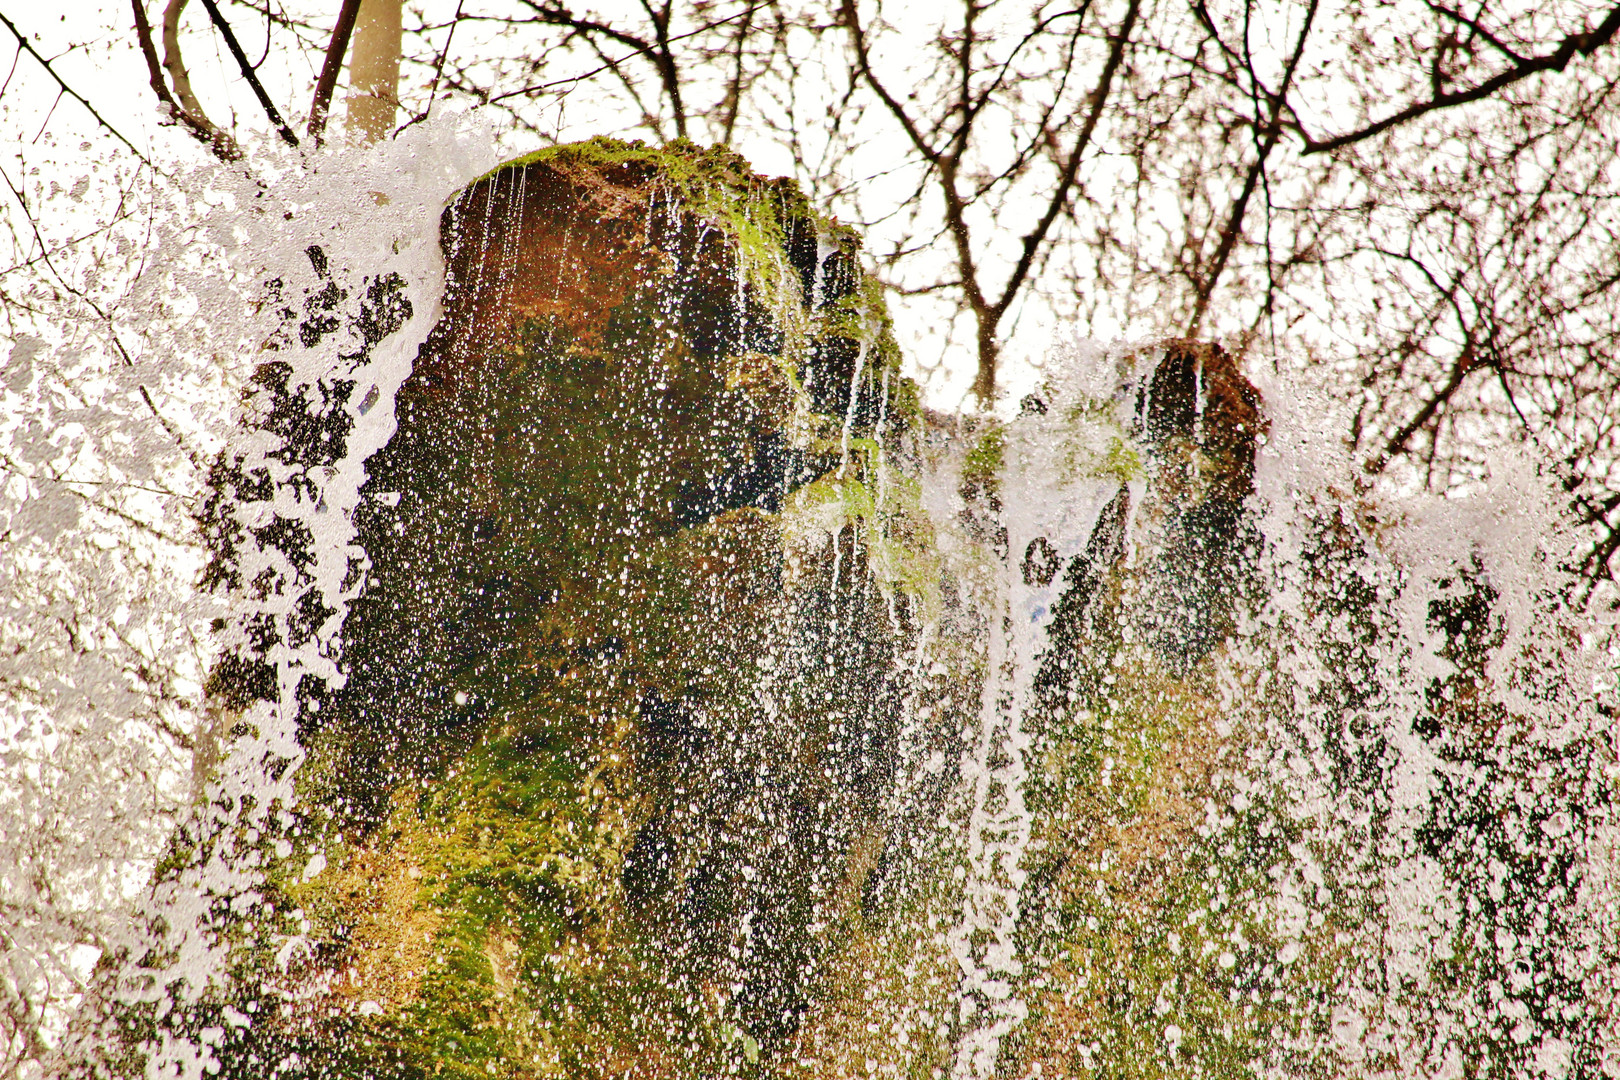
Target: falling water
<point x="677" y="696"/>
<point x="1358" y="775"/>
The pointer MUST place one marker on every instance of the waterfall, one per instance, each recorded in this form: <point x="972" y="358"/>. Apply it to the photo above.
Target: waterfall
<point x="1273" y="773"/>
<point x="645" y="682"/>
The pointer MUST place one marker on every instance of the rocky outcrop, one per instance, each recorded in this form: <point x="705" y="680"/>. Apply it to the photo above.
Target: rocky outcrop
<point x="708" y="708"/>
<point x="623" y="684"/>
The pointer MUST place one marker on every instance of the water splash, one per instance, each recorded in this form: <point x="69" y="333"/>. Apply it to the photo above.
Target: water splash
<point x="710" y="709"/>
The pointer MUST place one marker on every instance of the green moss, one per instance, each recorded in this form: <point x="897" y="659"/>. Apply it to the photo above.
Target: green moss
<point x="1095" y="446"/>
<point x="983" y="464"/>
<point x="576" y="595"/>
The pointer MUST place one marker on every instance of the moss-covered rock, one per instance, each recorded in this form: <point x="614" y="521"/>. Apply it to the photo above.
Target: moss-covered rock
<point x="678" y="740"/>
<point x="623" y="683"/>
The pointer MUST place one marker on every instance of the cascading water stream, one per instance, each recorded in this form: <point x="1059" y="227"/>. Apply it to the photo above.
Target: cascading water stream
<point x="1049" y="514"/>
<point x="998" y="830"/>
<point x="1321" y="747"/>
<point x="705" y="706"/>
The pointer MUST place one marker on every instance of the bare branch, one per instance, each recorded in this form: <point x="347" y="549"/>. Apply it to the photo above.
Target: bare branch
<point x="1584" y="44"/>
<point x="249" y="74"/>
<point x="331" y="67"/>
<point x="1477" y="30"/>
<point x="438" y="70"/>
<point x="23" y="44"/>
<point x="1071" y="167"/>
<point x="852" y="22"/>
<point x="223" y="146"/>
<point x="172" y="60"/>
<point x="1266" y="142"/>
<point x="1460" y="369"/>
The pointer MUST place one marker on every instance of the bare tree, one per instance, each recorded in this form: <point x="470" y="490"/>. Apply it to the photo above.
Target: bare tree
<point x="1414" y="196"/>
<point x="945" y="140"/>
<point x="1417" y="198"/>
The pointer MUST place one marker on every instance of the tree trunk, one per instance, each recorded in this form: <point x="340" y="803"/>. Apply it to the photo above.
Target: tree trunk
<point x="374" y="68"/>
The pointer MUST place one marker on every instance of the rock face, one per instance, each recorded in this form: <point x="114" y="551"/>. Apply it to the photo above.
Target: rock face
<point x="623" y="683"/>
<point x="661" y="696"/>
<point x="710" y="709"/>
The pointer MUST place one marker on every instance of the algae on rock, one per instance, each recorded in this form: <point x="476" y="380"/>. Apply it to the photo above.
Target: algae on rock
<point x="617" y="736"/>
<point x="712" y="709"/>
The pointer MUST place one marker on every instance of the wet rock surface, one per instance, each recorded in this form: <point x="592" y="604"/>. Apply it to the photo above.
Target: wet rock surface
<point x="709" y="708"/>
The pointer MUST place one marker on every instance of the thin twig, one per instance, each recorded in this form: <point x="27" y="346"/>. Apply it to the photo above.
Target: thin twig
<point x="438" y="73"/>
<point x="1460" y="370"/>
<point x="438" y="65"/>
<point x="1071" y="168"/>
<point x="248" y="73"/>
<point x="23" y="44"/>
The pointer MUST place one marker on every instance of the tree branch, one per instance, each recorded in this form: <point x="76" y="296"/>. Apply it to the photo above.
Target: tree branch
<point x="944" y="163"/>
<point x="734" y="86"/>
<point x="1596" y="564"/>
<point x="1465" y="363"/>
<point x="22" y="43"/>
<point x="1071" y="167"/>
<point x="852" y="23"/>
<point x="665" y="62"/>
<point x="1476" y="29"/>
<point x="248" y="73"/>
<point x="438" y="70"/>
<point x="557" y="15"/>
<point x="1584" y="43"/>
<point x="173" y="60"/>
<point x="191" y="115"/>
<point x="332" y="65"/>
<point x="1267" y="143"/>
